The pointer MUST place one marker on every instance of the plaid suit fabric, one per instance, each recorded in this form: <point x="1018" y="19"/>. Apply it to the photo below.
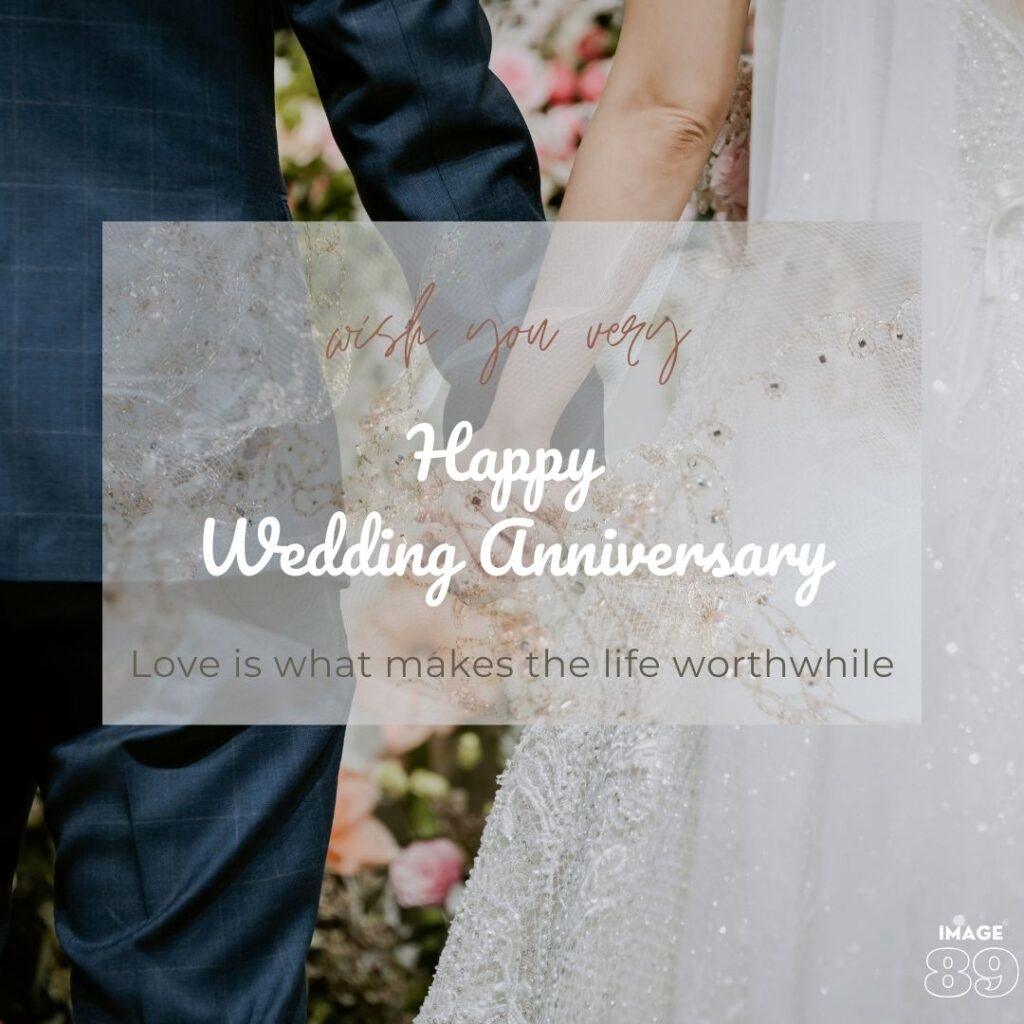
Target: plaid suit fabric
<point x="189" y="860"/>
<point x="163" y="110"/>
<point x="189" y="869"/>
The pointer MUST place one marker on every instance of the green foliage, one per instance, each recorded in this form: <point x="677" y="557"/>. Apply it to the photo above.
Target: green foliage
<point x="372" y="961"/>
<point x="34" y="976"/>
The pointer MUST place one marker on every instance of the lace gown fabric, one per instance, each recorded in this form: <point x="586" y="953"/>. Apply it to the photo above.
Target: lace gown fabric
<point x="556" y="877"/>
<point x="789" y="874"/>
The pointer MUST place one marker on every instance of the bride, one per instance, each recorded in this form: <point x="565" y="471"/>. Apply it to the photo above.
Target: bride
<point x="676" y="875"/>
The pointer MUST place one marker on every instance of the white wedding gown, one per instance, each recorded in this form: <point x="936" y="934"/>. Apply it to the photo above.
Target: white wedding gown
<point x="783" y="874"/>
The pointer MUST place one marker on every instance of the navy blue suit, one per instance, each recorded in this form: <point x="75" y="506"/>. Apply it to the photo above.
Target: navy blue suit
<point x="188" y="860"/>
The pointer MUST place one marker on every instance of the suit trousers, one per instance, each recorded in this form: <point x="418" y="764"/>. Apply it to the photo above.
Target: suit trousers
<point x="188" y="860"/>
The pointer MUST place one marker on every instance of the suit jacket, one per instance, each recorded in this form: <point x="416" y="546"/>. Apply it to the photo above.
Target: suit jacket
<point x="120" y="110"/>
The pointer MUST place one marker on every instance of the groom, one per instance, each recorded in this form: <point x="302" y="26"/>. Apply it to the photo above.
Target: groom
<point x="188" y="860"/>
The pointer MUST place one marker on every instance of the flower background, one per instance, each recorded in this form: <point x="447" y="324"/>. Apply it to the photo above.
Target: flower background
<point x="410" y="812"/>
<point x="554" y="57"/>
<point x="412" y="802"/>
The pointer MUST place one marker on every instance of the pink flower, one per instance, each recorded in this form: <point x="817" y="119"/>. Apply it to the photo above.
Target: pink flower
<point x="561" y="82"/>
<point x="556" y="134"/>
<point x="358" y="840"/>
<point x="594" y="44"/>
<point x="523" y="73"/>
<point x="730" y="181"/>
<point x="310" y="138"/>
<point x="593" y="78"/>
<point x="424" y="872"/>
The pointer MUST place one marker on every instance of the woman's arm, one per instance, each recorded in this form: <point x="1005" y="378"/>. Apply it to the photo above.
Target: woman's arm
<point x="669" y="91"/>
<point x="670" y="88"/>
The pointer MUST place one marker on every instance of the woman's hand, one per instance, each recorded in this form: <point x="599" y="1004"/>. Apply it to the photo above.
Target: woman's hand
<point x="463" y="512"/>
